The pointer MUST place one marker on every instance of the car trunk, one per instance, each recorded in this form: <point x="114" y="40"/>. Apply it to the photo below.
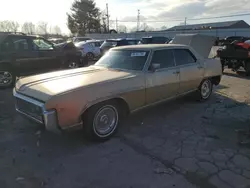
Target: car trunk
<point x="202" y="44"/>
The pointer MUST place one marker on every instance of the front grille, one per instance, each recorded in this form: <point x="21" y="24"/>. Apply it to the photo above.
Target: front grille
<point x="29" y="108"/>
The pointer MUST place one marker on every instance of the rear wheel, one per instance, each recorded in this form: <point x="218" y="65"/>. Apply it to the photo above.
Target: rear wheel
<point x="205" y="89"/>
<point x="102" y="120"/>
<point x="247" y="68"/>
<point x="7" y="79"/>
<point x="90" y="56"/>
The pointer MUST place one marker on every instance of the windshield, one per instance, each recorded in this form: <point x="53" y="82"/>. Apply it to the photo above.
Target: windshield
<point x="109" y="43"/>
<point x="124" y="59"/>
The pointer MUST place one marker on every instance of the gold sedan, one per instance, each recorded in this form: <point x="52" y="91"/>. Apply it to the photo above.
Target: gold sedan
<point x="124" y="80"/>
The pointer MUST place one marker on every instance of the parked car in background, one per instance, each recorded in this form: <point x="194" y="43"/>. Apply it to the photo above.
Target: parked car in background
<point x="22" y="55"/>
<point x="235" y="56"/>
<point x="80" y="39"/>
<point x="110" y="43"/>
<point x="126" y="79"/>
<point x="56" y="40"/>
<point x="229" y="40"/>
<point x="154" y="40"/>
<point x="90" y="48"/>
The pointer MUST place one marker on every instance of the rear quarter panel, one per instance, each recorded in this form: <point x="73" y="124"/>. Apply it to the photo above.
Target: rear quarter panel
<point x="213" y="68"/>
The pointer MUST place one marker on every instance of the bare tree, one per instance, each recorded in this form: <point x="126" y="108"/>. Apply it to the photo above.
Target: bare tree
<point x="28" y="27"/>
<point x="164" y="27"/>
<point x="146" y="27"/>
<point x="9" y="26"/>
<point x="57" y="30"/>
<point x="42" y="28"/>
<point x="122" y="29"/>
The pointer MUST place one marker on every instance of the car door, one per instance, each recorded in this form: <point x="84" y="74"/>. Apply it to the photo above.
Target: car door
<point x="191" y="70"/>
<point x="163" y="83"/>
<point x="49" y="58"/>
<point x="26" y="58"/>
<point x="97" y="50"/>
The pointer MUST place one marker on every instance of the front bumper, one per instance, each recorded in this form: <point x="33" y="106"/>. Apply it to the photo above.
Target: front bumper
<point x="47" y="118"/>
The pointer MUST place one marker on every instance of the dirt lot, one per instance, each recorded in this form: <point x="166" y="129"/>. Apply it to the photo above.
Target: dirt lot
<point x="183" y="143"/>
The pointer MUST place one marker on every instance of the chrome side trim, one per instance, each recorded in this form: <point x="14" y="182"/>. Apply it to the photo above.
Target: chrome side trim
<point x="164" y="100"/>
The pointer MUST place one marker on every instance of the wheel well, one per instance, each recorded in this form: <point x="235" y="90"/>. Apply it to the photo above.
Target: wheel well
<point x="124" y="108"/>
<point x="216" y="80"/>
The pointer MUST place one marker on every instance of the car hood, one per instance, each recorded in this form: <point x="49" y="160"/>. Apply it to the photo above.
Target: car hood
<point x="44" y="86"/>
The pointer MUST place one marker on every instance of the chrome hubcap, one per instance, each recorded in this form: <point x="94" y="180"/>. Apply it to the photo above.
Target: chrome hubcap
<point x="5" y="78"/>
<point x="73" y="65"/>
<point x="206" y="89"/>
<point x="105" y="121"/>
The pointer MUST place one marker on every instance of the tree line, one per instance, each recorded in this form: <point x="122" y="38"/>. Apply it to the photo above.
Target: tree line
<point x="29" y="28"/>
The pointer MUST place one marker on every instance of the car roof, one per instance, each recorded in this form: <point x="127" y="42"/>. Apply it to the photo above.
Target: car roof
<point x="150" y="47"/>
<point x="120" y="39"/>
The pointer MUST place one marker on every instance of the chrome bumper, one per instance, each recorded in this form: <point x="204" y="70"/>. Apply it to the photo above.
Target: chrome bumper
<point x="48" y="118"/>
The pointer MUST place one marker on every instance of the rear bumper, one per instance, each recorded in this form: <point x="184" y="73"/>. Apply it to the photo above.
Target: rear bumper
<point x="48" y="118"/>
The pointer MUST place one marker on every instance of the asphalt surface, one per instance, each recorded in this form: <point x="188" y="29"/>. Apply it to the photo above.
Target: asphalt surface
<point x="183" y="143"/>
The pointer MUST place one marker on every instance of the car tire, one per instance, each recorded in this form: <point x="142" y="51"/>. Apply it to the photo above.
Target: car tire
<point x="101" y="121"/>
<point x="7" y="79"/>
<point x="205" y="90"/>
<point x="90" y="56"/>
<point x="247" y="68"/>
<point x="72" y="64"/>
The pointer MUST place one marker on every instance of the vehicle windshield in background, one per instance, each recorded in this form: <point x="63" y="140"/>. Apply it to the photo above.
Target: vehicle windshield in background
<point x="79" y="44"/>
<point x="109" y="43"/>
<point x="146" y="41"/>
<point x="124" y="59"/>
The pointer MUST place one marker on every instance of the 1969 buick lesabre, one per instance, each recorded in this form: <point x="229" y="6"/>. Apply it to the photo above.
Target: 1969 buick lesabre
<point x="124" y="80"/>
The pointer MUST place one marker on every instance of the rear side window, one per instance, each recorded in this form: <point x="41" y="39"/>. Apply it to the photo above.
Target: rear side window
<point x="20" y="43"/>
<point x="6" y="45"/>
<point x="163" y="57"/>
<point x="184" y="57"/>
<point x="132" y="42"/>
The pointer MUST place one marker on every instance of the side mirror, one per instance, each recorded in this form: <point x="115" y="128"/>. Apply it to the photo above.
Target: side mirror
<point x="155" y="66"/>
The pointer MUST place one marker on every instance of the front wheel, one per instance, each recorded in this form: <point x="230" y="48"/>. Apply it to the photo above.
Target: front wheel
<point x="102" y="121"/>
<point x="205" y="89"/>
<point x="7" y="79"/>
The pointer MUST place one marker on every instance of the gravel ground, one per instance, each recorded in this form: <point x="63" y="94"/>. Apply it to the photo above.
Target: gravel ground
<point x="182" y="143"/>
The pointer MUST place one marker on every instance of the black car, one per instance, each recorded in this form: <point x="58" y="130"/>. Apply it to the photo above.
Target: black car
<point x="154" y="40"/>
<point x="229" y="40"/>
<point x="22" y="55"/>
<point x="107" y="44"/>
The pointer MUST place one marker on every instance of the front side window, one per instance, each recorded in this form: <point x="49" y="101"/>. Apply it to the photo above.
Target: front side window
<point x="124" y="59"/>
<point x="41" y="44"/>
<point x="163" y="57"/>
<point x="184" y="57"/>
<point x="20" y="43"/>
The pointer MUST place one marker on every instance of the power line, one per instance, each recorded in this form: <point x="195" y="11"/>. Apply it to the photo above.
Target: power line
<point x="173" y="20"/>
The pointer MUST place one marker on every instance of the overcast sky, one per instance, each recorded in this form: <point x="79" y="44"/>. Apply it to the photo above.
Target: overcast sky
<point x="156" y="11"/>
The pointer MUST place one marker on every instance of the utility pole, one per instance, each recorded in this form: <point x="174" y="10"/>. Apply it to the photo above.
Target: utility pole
<point x="116" y="25"/>
<point x="185" y="23"/>
<point x="138" y="20"/>
<point x="107" y="8"/>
